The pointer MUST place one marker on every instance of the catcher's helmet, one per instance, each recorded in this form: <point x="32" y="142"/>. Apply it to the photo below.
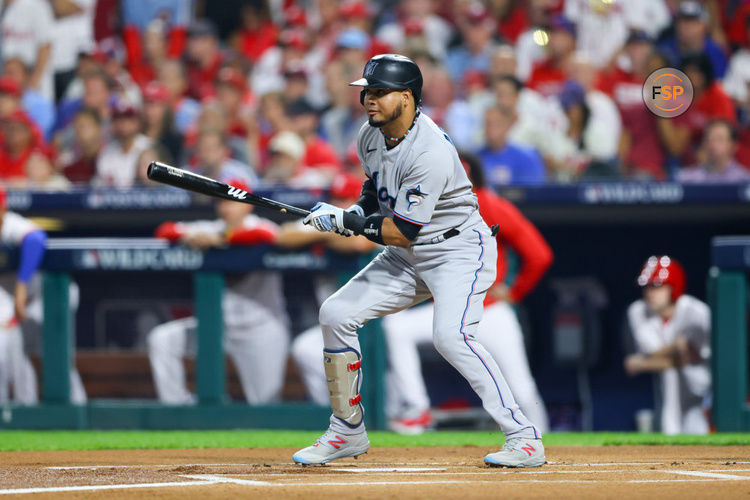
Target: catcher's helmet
<point x="391" y="71"/>
<point x="663" y="270"/>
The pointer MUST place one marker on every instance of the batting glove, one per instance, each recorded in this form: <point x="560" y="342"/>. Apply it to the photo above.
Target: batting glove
<point x="326" y="217"/>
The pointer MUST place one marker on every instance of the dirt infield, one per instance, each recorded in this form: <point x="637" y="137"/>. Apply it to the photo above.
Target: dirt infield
<point x="572" y="472"/>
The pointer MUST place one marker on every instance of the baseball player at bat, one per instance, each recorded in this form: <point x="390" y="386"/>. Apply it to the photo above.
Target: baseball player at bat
<point x="499" y="331"/>
<point x="418" y="202"/>
<point x="256" y="333"/>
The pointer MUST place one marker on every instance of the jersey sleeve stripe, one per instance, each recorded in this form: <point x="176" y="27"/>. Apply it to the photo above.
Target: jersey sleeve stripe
<point x="411" y="220"/>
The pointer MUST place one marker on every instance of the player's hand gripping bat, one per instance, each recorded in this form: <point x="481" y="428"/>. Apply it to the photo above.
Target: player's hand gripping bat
<point x="184" y="179"/>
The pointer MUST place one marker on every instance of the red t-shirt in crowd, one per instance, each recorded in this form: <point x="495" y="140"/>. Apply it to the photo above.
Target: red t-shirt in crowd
<point x="521" y="235"/>
<point x="201" y="80"/>
<point x="646" y="153"/>
<point x="254" y="43"/>
<point x="515" y="23"/>
<point x="546" y="78"/>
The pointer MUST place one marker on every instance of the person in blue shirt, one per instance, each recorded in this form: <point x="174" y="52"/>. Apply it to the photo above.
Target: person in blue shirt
<point x="691" y="37"/>
<point x="506" y="162"/>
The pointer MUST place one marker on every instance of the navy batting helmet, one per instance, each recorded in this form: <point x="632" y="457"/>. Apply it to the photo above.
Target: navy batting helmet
<point x="391" y="71"/>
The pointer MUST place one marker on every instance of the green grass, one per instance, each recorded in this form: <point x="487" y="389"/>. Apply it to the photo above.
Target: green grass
<point x="122" y="440"/>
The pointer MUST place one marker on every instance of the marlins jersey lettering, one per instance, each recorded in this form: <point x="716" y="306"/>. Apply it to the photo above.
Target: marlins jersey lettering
<point x="421" y="181"/>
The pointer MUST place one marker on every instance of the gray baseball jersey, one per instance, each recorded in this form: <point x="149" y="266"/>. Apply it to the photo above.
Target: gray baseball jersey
<point x="421" y="181"/>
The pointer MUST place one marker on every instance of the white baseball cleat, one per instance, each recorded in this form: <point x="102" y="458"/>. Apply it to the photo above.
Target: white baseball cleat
<point x="332" y="446"/>
<point x="518" y="452"/>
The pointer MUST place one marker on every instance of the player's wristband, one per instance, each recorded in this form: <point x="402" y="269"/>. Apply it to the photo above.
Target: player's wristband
<point x="370" y="227"/>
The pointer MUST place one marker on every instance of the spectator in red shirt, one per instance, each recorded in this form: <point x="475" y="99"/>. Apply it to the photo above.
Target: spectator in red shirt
<point x="548" y="76"/>
<point x="20" y="139"/>
<point x="682" y="135"/>
<point x="204" y="59"/>
<point x="513" y="18"/>
<point x="78" y="163"/>
<point x="258" y="32"/>
<point x="145" y="56"/>
<point x="158" y="121"/>
<point x="640" y="151"/>
<point x="320" y="159"/>
<point x="232" y="94"/>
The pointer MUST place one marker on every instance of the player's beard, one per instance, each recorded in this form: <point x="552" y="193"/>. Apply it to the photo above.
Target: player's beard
<point x="381" y="123"/>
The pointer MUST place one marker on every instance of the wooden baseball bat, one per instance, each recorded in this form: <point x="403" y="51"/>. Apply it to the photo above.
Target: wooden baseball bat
<point x="185" y="179"/>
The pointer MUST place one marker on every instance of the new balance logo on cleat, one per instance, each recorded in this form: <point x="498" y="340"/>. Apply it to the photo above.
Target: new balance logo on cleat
<point x="332" y="446"/>
<point x="528" y="449"/>
<point x="335" y="443"/>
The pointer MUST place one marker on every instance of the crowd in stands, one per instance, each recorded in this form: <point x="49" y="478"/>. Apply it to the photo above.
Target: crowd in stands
<point x="544" y="91"/>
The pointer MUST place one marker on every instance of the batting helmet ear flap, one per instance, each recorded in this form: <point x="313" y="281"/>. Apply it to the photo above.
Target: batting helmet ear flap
<point x="362" y="97"/>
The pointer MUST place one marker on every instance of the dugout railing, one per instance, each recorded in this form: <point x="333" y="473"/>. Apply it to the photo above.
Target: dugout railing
<point x="213" y="409"/>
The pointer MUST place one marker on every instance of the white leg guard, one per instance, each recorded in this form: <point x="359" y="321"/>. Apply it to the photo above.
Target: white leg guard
<point x="344" y="379"/>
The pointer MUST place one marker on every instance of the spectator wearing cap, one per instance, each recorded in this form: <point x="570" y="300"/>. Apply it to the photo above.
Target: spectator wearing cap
<point x="117" y="163"/>
<point x="505" y="162"/>
<point x="40" y="109"/>
<point x="73" y="33"/>
<point x="158" y="121"/>
<point x="214" y="158"/>
<point x="691" y="37"/>
<point x="478" y="46"/>
<point x="258" y="32"/>
<point x="596" y="147"/>
<point x="548" y="76"/>
<point x="417" y="17"/>
<point x="640" y="151"/>
<point x="296" y="85"/>
<point x="78" y="162"/>
<point x="319" y="154"/>
<point x="20" y="139"/>
<point x="682" y="135"/>
<point x="719" y="165"/>
<point x="26" y="28"/>
<point x="341" y="121"/>
<point x="186" y="110"/>
<point x="286" y="149"/>
<point x="204" y="59"/>
<point x="10" y="96"/>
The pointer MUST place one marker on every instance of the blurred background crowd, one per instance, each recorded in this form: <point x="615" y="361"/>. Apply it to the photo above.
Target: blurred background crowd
<point x="544" y="91"/>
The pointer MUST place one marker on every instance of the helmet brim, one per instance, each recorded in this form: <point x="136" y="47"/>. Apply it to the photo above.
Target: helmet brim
<point x="362" y="82"/>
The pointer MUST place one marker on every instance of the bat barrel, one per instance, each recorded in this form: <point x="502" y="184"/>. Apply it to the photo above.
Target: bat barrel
<point x="184" y="179"/>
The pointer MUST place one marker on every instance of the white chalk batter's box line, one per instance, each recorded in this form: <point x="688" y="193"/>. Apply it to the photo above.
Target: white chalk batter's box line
<point x="709" y="476"/>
